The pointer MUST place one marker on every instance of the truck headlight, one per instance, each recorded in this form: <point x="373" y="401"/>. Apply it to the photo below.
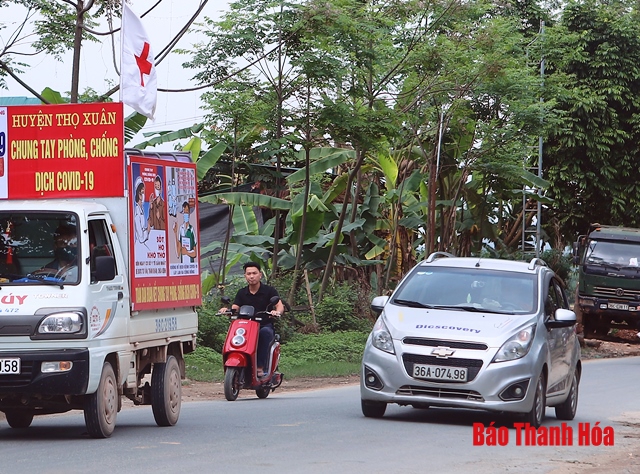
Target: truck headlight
<point x="381" y="337"/>
<point x="587" y="302"/>
<point x="61" y="323"/>
<point x="517" y="346"/>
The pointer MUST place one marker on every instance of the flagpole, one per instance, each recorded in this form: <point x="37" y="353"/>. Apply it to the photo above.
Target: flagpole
<point x="122" y="15"/>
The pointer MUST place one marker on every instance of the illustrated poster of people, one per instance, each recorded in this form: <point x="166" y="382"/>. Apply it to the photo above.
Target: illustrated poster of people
<point x="183" y="247"/>
<point x="149" y="220"/>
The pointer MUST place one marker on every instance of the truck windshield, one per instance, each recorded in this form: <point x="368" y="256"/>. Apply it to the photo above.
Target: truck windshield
<point x="617" y="254"/>
<point x="38" y="248"/>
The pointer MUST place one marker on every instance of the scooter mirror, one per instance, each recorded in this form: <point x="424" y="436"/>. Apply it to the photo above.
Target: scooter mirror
<point x="226" y="300"/>
<point x="274" y="299"/>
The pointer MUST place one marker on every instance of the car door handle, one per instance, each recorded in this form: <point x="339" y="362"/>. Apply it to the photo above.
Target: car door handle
<point x="120" y="295"/>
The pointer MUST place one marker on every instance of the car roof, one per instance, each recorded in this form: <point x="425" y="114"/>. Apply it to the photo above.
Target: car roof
<point x="484" y="263"/>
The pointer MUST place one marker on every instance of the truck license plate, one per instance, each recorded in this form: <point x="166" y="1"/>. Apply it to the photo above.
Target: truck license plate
<point x="454" y="374"/>
<point x="9" y="366"/>
<point x="620" y="306"/>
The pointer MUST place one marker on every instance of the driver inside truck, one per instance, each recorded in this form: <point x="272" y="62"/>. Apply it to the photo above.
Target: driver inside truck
<point x="65" y="252"/>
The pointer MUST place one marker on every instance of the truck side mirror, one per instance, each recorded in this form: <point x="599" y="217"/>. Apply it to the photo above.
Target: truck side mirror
<point x="105" y="268"/>
<point x="576" y="253"/>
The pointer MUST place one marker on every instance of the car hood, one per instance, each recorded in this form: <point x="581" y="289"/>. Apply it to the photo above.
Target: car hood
<point x="490" y="328"/>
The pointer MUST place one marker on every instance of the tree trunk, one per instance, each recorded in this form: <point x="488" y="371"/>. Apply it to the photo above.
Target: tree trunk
<point x="81" y="9"/>
<point x="338" y="229"/>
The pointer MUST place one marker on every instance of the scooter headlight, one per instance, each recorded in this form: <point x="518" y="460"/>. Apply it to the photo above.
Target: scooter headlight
<point x="238" y="338"/>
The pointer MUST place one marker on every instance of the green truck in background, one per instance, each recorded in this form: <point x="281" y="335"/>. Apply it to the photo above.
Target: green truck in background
<point x="608" y="292"/>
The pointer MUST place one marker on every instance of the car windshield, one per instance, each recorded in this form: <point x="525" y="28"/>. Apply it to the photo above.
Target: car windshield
<point x="38" y="248"/>
<point x="617" y="254"/>
<point x="468" y="289"/>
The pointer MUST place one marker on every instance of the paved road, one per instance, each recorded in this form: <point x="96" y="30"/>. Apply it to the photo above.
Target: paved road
<point x="324" y="431"/>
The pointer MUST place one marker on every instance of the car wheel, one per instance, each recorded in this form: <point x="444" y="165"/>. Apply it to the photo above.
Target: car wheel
<point x="567" y="409"/>
<point x="373" y="409"/>
<point x="19" y="418"/>
<point x="420" y="406"/>
<point x="536" y="415"/>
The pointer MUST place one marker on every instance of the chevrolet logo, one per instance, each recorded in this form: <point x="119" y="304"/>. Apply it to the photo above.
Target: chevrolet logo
<point x="442" y="352"/>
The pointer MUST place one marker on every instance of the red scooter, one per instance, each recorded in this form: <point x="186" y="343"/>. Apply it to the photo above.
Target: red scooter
<point x="239" y="353"/>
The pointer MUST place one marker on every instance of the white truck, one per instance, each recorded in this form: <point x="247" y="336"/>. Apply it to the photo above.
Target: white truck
<point x="99" y="276"/>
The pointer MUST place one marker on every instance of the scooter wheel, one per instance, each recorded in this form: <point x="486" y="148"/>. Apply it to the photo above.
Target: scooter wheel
<point x="263" y="392"/>
<point x="231" y="384"/>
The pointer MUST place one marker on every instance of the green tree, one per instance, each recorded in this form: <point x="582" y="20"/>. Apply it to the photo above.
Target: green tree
<point x="591" y="158"/>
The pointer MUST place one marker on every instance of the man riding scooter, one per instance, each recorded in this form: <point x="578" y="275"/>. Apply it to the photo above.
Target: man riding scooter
<point x="258" y="295"/>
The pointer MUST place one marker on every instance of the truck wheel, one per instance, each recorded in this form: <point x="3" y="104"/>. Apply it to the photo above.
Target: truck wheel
<point x="536" y="415"/>
<point x="589" y="327"/>
<point x="19" y="418"/>
<point x="231" y="383"/>
<point x="567" y="410"/>
<point x="101" y="407"/>
<point x="166" y="392"/>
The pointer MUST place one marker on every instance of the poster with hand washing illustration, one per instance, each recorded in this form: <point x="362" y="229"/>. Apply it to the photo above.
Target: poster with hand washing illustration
<point x="164" y="231"/>
<point x="149" y="217"/>
<point x="183" y="233"/>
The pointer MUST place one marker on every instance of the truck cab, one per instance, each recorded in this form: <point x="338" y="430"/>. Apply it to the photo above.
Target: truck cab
<point x="608" y="292"/>
<point x="99" y="268"/>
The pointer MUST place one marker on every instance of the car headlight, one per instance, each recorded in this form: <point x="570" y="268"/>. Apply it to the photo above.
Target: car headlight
<point x="381" y="337"/>
<point x="517" y="346"/>
<point x="61" y="323"/>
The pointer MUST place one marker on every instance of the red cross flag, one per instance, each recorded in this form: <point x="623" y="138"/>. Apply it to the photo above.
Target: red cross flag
<point x="138" y="80"/>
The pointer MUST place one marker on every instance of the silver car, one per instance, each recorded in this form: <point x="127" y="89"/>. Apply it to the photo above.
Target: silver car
<point x="474" y="333"/>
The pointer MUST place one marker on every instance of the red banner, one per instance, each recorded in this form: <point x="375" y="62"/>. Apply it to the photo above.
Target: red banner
<point x="62" y="151"/>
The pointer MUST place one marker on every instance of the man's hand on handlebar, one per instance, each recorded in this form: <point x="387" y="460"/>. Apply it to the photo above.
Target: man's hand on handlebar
<point x="275" y="313"/>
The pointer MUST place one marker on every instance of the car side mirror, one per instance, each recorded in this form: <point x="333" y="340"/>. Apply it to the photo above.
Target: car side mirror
<point x="564" y="318"/>
<point x="378" y="303"/>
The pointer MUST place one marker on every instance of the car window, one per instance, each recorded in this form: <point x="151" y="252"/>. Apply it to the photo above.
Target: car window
<point x="551" y="301"/>
<point x="561" y="297"/>
<point x="493" y="290"/>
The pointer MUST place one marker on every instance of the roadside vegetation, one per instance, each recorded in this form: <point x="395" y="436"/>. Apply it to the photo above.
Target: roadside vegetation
<point x="330" y="347"/>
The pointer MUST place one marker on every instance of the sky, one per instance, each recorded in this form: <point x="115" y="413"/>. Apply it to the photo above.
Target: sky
<point x="174" y="110"/>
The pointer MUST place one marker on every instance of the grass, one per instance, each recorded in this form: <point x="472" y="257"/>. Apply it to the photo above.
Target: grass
<point x="312" y="355"/>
